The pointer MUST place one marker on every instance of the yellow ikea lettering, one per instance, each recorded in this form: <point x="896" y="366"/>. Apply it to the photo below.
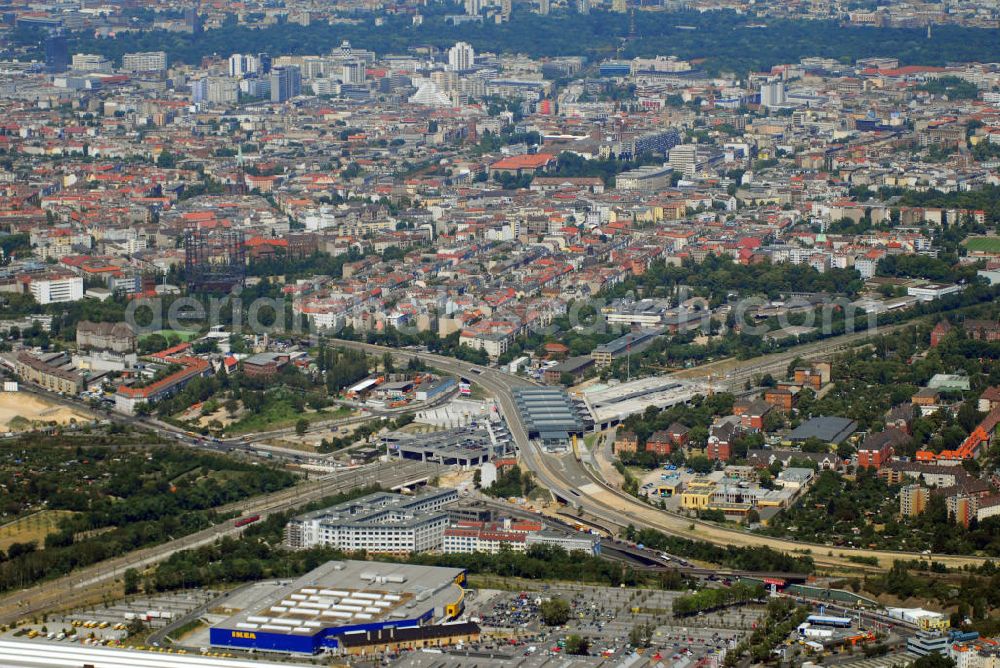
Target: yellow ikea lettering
<point x="246" y="635"/>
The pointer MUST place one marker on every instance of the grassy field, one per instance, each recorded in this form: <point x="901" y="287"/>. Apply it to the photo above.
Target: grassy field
<point x="183" y="335"/>
<point x="279" y="415"/>
<point x="983" y="244"/>
<point x="34" y="527"/>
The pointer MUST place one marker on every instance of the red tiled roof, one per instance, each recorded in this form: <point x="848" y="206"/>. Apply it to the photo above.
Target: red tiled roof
<point x="528" y="161"/>
<point x="170" y="352"/>
<point x="192" y="366"/>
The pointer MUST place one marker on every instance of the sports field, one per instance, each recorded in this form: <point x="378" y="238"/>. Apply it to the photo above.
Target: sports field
<point x="166" y="333"/>
<point x="983" y="244"/>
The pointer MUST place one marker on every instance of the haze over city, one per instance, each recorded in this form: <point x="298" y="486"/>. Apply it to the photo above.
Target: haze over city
<point x="499" y="333"/>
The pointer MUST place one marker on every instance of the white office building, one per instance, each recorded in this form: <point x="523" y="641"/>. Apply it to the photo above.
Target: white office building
<point x="383" y="523"/>
<point x="54" y="288"/>
<point x="353" y="72"/>
<point x="684" y="159"/>
<point x="221" y="90"/>
<point x="325" y="87"/>
<point x="461" y="57"/>
<point x="240" y="65"/>
<point x="571" y="543"/>
<point x="91" y="63"/>
<point x="145" y="61"/>
<point x="772" y="94"/>
<point x="928" y="292"/>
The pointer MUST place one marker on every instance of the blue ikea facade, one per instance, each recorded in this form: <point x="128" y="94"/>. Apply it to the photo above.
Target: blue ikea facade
<point x="300" y="643"/>
<point x="341" y="599"/>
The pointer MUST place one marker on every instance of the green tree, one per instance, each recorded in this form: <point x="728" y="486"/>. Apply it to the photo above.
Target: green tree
<point x="954" y="87"/>
<point x="166" y="160"/>
<point x="554" y="612"/>
<point x="700" y="464"/>
<point x="641" y="635"/>
<point x="131" y="581"/>
<point x="969" y="415"/>
<point x="393" y="254"/>
<point x="512" y="482"/>
<point x="302" y="426"/>
<point x="933" y="661"/>
<point x="577" y="645"/>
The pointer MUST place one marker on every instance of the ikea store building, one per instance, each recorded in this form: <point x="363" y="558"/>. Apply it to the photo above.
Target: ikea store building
<point x="338" y="601"/>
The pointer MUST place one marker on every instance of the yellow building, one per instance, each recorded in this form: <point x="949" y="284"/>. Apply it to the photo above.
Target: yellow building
<point x="698" y="495"/>
<point x="913" y="500"/>
<point x="649" y="214"/>
<point x="52" y="371"/>
<point x="732" y="509"/>
<point x="669" y="488"/>
<point x="939" y="623"/>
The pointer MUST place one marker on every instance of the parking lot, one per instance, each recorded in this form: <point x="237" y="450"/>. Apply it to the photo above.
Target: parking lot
<point x="109" y="625"/>
<point x="605" y="616"/>
<point x="513" y="630"/>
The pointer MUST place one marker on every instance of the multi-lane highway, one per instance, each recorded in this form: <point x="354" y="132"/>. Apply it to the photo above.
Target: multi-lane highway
<point x="571" y="481"/>
<point x="78" y="586"/>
